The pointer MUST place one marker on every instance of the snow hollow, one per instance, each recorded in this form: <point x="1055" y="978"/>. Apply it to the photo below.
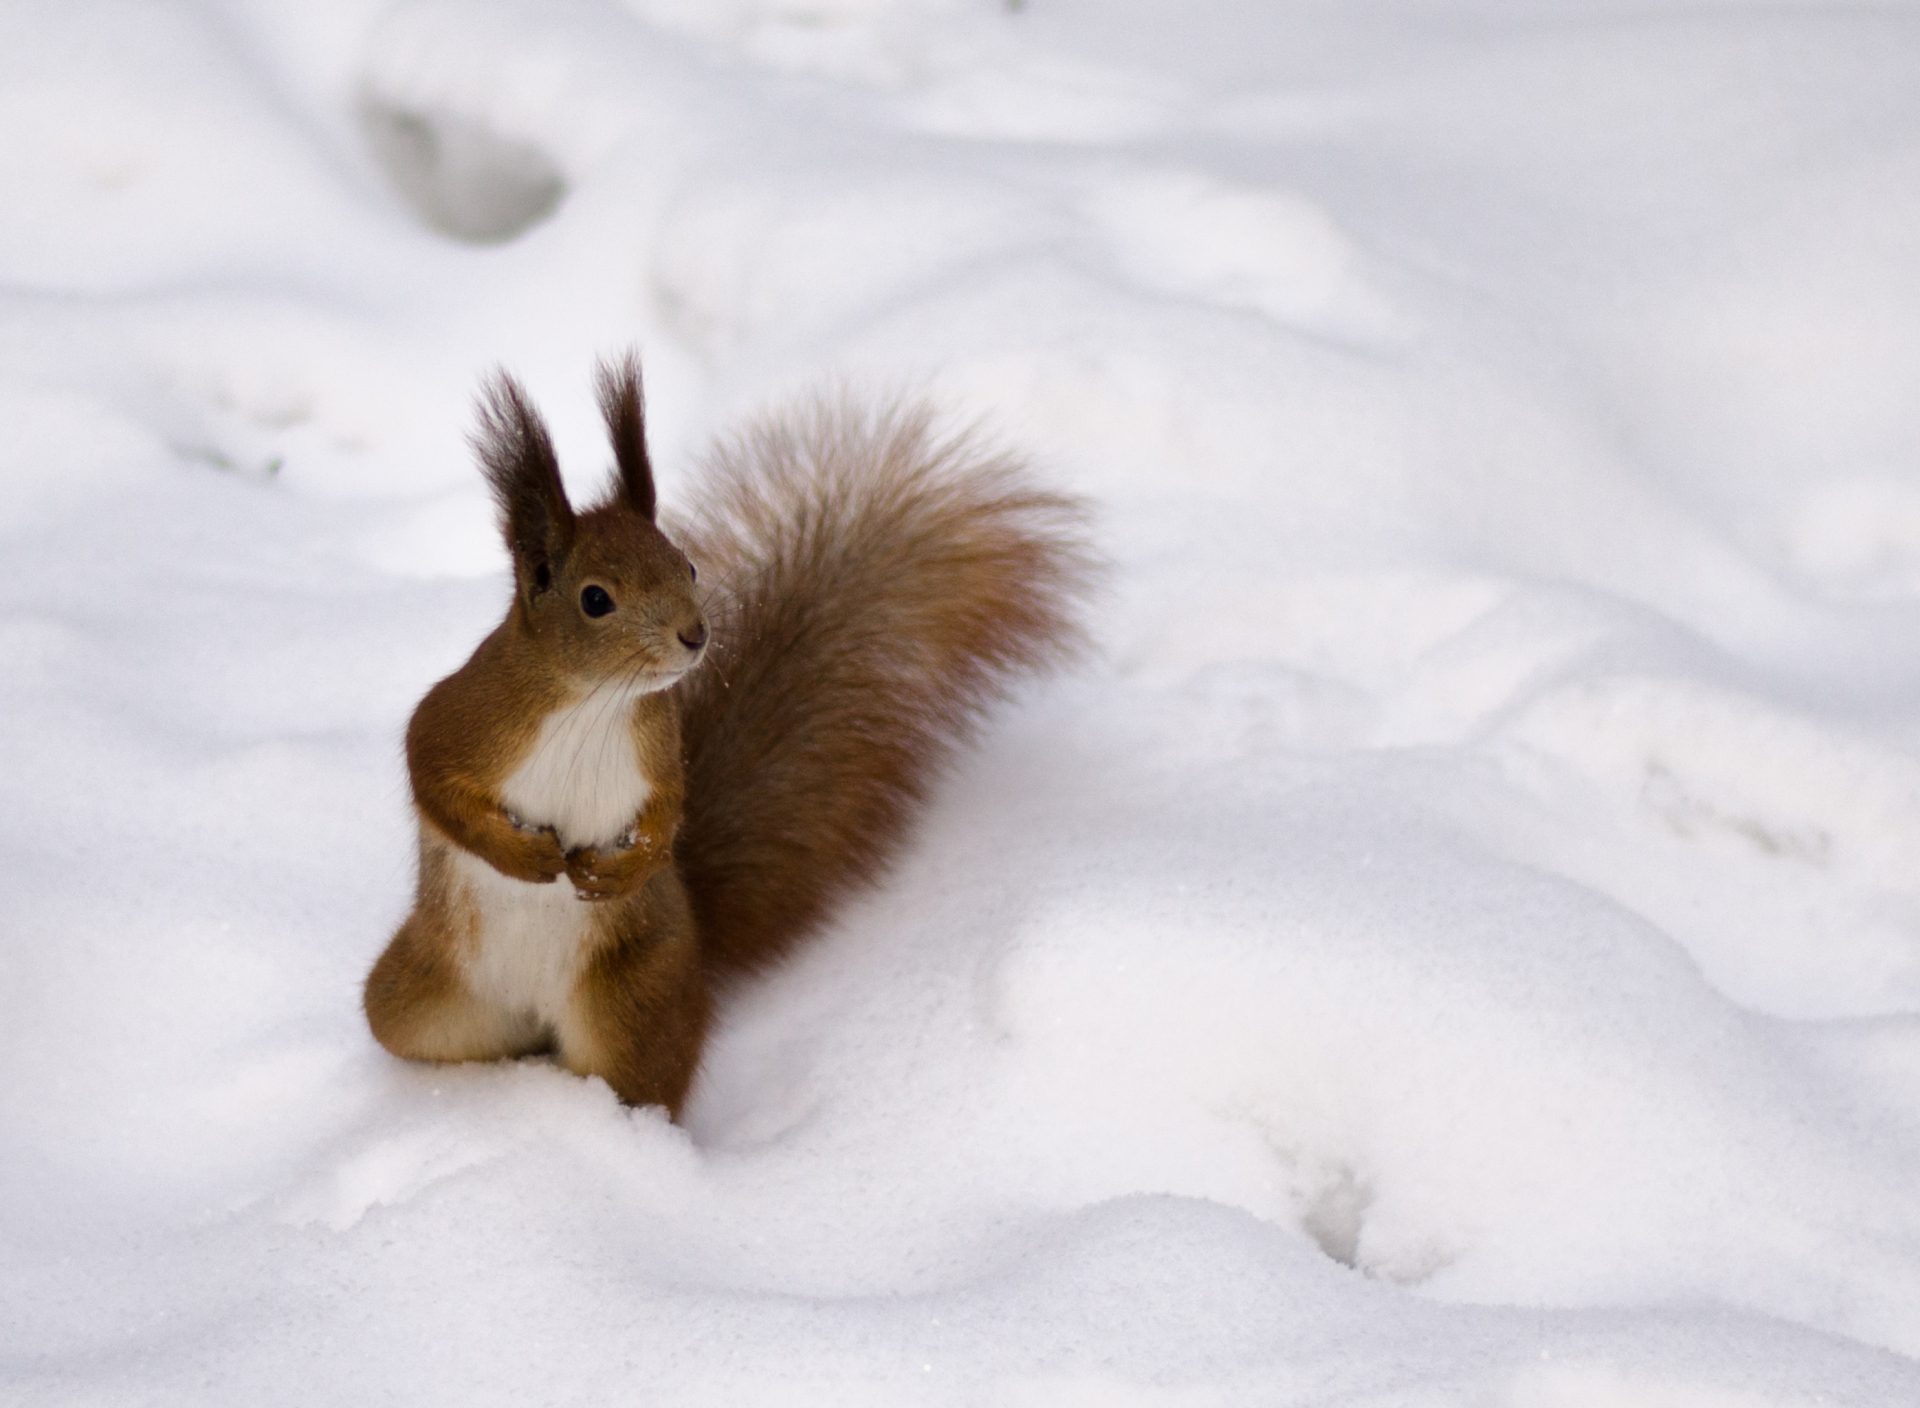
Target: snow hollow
<point x="1458" y="945"/>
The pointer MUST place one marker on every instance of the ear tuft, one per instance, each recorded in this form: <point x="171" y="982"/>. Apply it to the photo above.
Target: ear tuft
<point x="624" y="407"/>
<point x="517" y="457"/>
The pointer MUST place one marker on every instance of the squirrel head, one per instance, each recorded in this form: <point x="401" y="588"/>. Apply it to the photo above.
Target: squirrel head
<point x="601" y="594"/>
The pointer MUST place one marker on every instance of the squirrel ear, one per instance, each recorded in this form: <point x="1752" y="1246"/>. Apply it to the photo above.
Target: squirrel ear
<point x="517" y="457"/>
<point x="625" y="409"/>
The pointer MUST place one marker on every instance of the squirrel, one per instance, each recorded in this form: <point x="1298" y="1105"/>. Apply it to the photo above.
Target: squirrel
<point x="647" y="782"/>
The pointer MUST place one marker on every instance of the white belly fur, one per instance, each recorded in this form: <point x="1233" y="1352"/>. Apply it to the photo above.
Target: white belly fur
<point x="531" y="940"/>
<point x="583" y="779"/>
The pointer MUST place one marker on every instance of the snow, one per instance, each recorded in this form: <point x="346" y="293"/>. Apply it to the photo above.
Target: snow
<point x="1459" y="944"/>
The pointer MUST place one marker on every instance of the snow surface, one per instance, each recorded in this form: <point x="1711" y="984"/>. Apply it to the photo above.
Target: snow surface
<point x="1460" y="945"/>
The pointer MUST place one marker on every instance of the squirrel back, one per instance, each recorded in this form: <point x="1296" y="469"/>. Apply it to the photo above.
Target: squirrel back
<point x="880" y="586"/>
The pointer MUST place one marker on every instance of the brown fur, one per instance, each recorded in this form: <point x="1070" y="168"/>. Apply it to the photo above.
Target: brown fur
<point x="874" y="589"/>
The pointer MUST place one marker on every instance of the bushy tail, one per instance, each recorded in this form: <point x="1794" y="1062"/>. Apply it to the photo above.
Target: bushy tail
<point x="877" y="587"/>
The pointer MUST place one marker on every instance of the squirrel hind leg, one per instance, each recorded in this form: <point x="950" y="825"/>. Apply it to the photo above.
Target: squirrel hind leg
<point x="638" y="1013"/>
<point x="420" y="1009"/>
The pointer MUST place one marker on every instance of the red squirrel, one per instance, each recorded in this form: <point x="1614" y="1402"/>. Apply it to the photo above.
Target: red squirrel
<point x="654" y="776"/>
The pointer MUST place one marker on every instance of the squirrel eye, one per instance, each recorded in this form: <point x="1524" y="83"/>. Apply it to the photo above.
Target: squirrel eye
<point x="693" y="572"/>
<point x="595" y="601"/>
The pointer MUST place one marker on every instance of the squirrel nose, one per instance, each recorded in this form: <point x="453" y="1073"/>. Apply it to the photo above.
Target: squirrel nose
<point x="694" y="638"/>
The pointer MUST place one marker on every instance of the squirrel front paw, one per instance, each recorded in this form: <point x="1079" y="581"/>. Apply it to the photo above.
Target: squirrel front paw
<point x="534" y="854"/>
<point x="610" y="874"/>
